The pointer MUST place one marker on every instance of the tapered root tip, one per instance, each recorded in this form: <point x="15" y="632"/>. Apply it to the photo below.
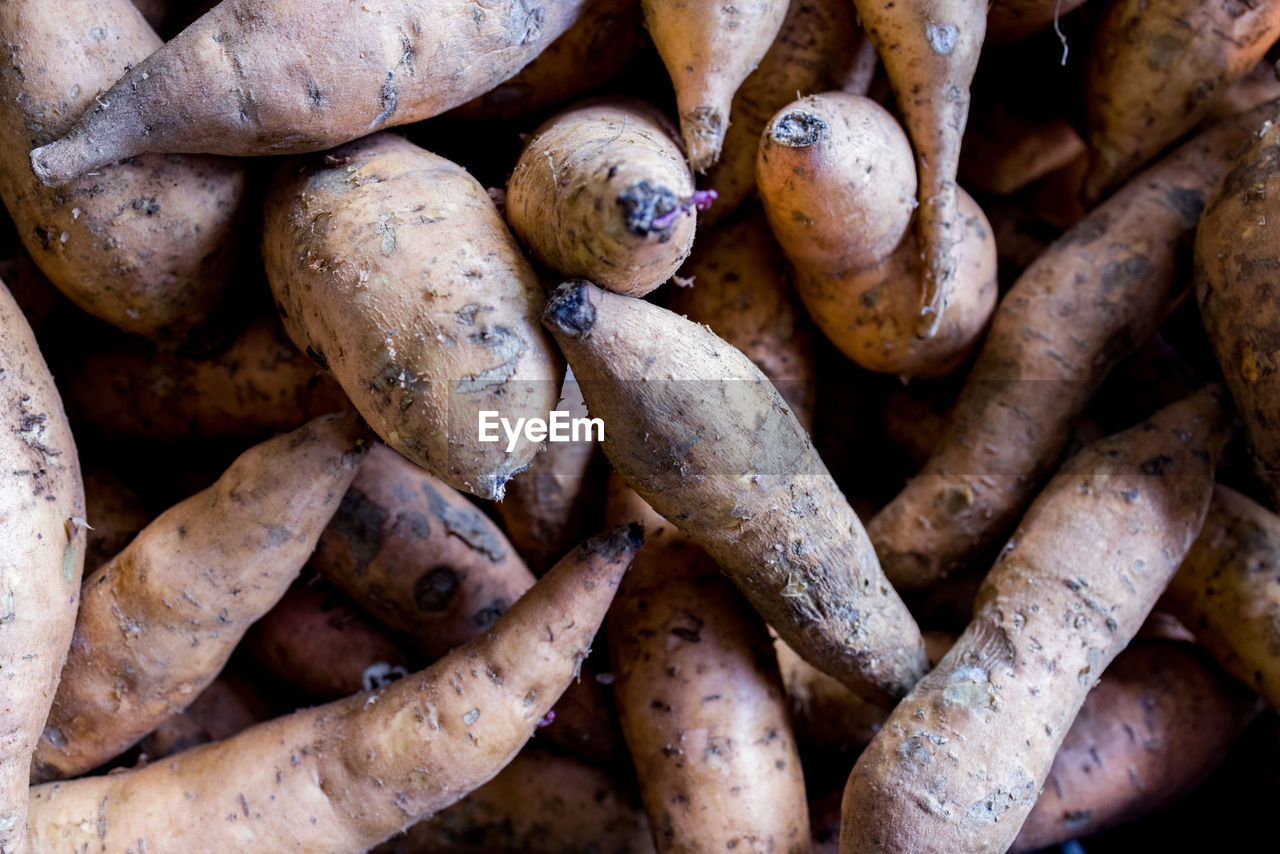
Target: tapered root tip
<point x="54" y="164"/>
<point x="569" y="311"/>
<point x="703" y="132"/>
<point x="610" y="545"/>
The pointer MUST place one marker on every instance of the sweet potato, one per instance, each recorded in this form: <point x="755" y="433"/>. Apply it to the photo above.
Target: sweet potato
<point x="429" y="565"/>
<point x="1158" y="722"/>
<point x="700" y="700"/>
<point x="960" y="762"/>
<point x="115" y="516"/>
<point x="709" y="49"/>
<point x="1004" y="153"/>
<point x="1099" y="291"/>
<point x="257" y="384"/>
<point x="930" y="52"/>
<point x="738" y="287"/>
<point x="755" y="495"/>
<point x="343" y="777"/>
<point x="542" y="803"/>
<point x="228" y="706"/>
<point x="1015" y="20"/>
<point x="605" y="37"/>
<point x="601" y="190"/>
<point x="1233" y="286"/>
<point x="246" y="79"/>
<point x="159" y="620"/>
<point x="316" y="641"/>
<point x="39" y="300"/>
<point x="818" y="47"/>
<point x="1228" y="591"/>
<point x="559" y="497"/>
<point x="836" y="176"/>
<point x="1155" y="73"/>
<point x="42" y="549"/>
<point x="418" y="556"/>
<point x="392" y="267"/>
<point x="145" y="245"/>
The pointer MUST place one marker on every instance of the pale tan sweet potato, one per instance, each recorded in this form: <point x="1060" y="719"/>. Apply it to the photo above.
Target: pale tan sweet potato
<point x="158" y="621"/>
<point x="930" y="52"/>
<point x="1159" y="721"/>
<point x="559" y="498"/>
<point x="340" y="778"/>
<point x="738" y="286"/>
<point x="960" y="762"/>
<point x="836" y="177"/>
<point x="605" y="37"/>
<point x="699" y="432"/>
<point x="1235" y="250"/>
<point x="318" y="642"/>
<point x="257" y="384"/>
<point x="115" y="516"/>
<point x="1154" y="73"/>
<point x="246" y="79"/>
<point x="542" y="803"/>
<point x="601" y="190"/>
<point x="145" y="245"/>
<point x="392" y="267"/>
<point x="700" y="700"/>
<point x="1097" y="293"/>
<point x="709" y="48"/>
<point x="42" y="550"/>
<point x="1228" y="591"/>
<point x="819" y="47"/>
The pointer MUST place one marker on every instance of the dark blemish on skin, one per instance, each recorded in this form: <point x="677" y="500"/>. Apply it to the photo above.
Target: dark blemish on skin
<point x="277" y="535"/>
<point x="1157" y="465"/>
<point x="489" y="614"/>
<point x="798" y="129"/>
<point x="643" y="203"/>
<point x="1189" y="204"/>
<point x="411" y="524"/>
<point x="147" y="204"/>
<point x="435" y="588"/>
<point x="359" y="522"/>
<point x="466" y="523"/>
<point x="314" y="95"/>
<point x="317" y="357"/>
<point x="691" y="631"/>
<point x="387" y="99"/>
<point x="570" y="310"/>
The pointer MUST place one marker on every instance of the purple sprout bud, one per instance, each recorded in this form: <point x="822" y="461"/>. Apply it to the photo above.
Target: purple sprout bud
<point x="547" y="719"/>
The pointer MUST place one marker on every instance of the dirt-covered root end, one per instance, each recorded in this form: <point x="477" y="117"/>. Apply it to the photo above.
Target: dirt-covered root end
<point x="703" y="132"/>
<point x="569" y="311"/>
<point x="797" y="129"/>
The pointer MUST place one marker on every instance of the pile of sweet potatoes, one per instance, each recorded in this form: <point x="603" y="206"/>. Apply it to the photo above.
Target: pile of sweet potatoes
<point x="609" y="426"/>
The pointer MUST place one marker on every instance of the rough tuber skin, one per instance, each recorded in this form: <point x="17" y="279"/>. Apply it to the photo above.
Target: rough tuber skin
<point x="1228" y="591"/>
<point x="702" y="435"/>
<point x="245" y="79"/>
<point x="42" y="552"/>
<point x="700" y="700"/>
<point x="1236" y="245"/>
<point x="343" y="777"/>
<point x="145" y="245"/>
<point x="930" y="52"/>
<point x="1096" y="294"/>
<point x="601" y="190"/>
<point x="391" y="267"/>
<point x="158" y="621"/>
<point x="837" y="180"/>
<point x="709" y="48"/>
<point x="960" y="762"/>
